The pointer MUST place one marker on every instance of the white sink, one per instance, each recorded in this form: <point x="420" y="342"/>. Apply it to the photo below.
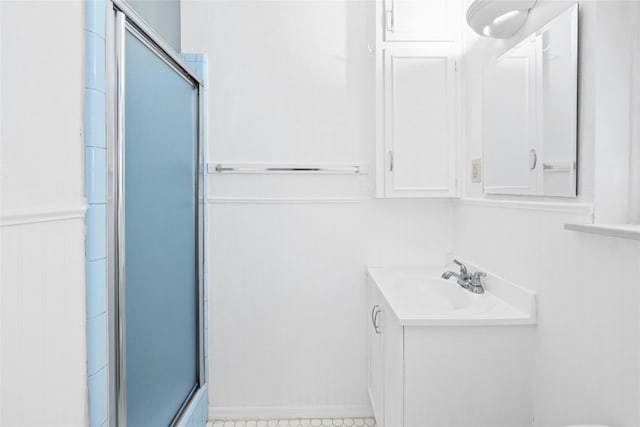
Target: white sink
<point x="421" y="297"/>
<point x="435" y="295"/>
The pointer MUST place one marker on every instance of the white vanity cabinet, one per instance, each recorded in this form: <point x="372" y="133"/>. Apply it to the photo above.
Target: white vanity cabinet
<point x="385" y="362"/>
<point x="429" y="371"/>
<point x="375" y="349"/>
<point x="418" y="98"/>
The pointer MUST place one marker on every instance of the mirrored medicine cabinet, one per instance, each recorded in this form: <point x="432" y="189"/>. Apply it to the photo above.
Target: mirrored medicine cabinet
<point x="531" y="113"/>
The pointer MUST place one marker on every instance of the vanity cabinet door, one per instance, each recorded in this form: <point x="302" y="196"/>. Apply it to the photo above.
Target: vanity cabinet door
<point x="420" y="121"/>
<point x="421" y="20"/>
<point x="375" y="351"/>
<point x="393" y="356"/>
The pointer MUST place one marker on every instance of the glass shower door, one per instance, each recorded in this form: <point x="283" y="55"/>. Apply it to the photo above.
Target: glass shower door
<point x="160" y="283"/>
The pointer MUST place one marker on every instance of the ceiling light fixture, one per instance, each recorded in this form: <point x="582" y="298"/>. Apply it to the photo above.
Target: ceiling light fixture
<point x="498" y="18"/>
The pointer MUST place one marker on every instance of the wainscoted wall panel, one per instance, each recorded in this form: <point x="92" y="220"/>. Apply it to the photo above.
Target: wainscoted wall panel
<point x="43" y="324"/>
<point x="280" y="186"/>
<point x="288" y="314"/>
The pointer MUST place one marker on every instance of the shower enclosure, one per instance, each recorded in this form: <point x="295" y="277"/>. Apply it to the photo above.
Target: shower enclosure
<point x="155" y="226"/>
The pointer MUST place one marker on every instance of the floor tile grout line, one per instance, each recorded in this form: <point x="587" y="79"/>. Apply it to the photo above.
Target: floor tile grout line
<point x="295" y="422"/>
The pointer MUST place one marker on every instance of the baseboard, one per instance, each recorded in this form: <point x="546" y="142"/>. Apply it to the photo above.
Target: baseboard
<point x="372" y="400"/>
<point x="288" y="412"/>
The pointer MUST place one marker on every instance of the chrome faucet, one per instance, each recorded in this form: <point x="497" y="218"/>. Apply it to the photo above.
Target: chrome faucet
<point x="469" y="281"/>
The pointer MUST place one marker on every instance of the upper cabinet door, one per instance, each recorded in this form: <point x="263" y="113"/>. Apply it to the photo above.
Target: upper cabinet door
<point x="420" y="121"/>
<point x="421" y="20"/>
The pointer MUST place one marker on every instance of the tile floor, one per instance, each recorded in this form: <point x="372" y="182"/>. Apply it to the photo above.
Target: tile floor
<point x="325" y="422"/>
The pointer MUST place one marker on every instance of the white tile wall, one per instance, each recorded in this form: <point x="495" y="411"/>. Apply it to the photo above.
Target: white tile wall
<point x="325" y="422"/>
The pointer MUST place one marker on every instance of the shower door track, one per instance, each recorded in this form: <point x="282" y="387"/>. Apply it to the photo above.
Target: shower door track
<point x="121" y="18"/>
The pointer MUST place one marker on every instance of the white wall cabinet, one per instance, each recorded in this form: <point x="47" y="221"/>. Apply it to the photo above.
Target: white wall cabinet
<point x="418" y="98"/>
<point x="420" y="121"/>
<point x="447" y="376"/>
<point x="421" y="20"/>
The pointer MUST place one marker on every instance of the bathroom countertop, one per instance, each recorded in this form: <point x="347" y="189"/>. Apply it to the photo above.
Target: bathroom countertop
<point x="420" y="297"/>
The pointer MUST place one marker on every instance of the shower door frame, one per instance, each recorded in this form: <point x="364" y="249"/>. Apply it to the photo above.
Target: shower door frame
<point x="120" y="19"/>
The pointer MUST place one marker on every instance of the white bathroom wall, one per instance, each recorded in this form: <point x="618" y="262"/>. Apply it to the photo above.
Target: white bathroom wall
<point x="293" y="83"/>
<point x="588" y="335"/>
<point x="617" y="29"/>
<point x="587" y="340"/>
<point x="42" y="322"/>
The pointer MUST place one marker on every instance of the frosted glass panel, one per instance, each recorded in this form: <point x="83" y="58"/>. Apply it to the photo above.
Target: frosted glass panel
<point x="160" y="237"/>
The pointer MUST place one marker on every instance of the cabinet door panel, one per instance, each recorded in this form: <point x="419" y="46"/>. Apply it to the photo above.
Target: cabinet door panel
<point x="420" y="132"/>
<point x="463" y="376"/>
<point x="393" y="361"/>
<point x="421" y="20"/>
<point x="375" y="352"/>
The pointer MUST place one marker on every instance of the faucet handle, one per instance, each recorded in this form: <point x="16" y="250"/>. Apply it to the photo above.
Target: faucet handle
<point x="476" y="278"/>
<point x="463" y="268"/>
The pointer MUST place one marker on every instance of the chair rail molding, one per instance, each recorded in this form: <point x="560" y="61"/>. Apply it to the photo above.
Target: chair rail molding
<point x="562" y="207"/>
<point x="11" y="217"/>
